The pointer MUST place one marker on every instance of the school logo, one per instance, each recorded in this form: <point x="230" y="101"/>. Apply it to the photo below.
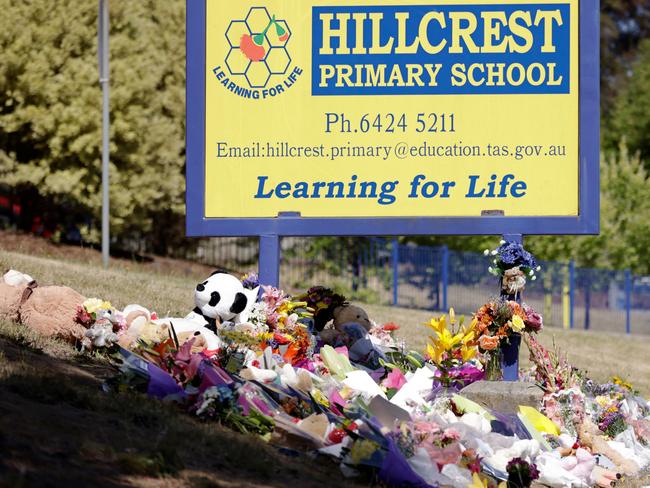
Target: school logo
<point x="258" y="63"/>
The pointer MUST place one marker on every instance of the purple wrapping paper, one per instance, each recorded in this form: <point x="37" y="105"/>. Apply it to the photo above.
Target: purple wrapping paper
<point x="395" y="471"/>
<point x="214" y="376"/>
<point x="162" y="385"/>
<point x="509" y="425"/>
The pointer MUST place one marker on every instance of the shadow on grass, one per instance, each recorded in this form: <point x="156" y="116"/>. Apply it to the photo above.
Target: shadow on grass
<point x="57" y="428"/>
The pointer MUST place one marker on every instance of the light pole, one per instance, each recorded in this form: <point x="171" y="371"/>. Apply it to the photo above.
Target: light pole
<point x="103" y="52"/>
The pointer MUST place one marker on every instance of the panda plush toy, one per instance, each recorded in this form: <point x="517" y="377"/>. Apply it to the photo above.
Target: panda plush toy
<point x="223" y="298"/>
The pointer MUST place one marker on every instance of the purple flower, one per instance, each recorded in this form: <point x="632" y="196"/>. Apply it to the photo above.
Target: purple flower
<point x="521" y="473"/>
<point x="250" y="281"/>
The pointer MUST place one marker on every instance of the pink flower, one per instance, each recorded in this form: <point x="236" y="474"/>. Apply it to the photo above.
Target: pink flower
<point x="534" y="321"/>
<point x="184" y="352"/>
<point x="193" y="366"/>
<point x="395" y="379"/>
<point x="425" y="429"/>
<point x="83" y="317"/>
<point x="450" y="454"/>
<point x="343" y="350"/>
<point x="451" y="435"/>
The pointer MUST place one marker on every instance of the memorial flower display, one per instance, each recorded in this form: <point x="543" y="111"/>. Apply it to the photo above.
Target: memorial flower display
<point x="305" y="377"/>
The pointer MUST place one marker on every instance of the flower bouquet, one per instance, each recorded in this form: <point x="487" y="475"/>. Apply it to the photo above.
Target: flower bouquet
<point x="497" y="323"/>
<point x="513" y="264"/>
<point x="452" y="349"/>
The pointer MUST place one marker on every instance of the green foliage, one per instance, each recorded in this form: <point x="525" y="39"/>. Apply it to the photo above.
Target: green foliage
<point x="623" y="24"/>
<point x="50" y="108"/>
<point x="631" y="113"/>
<point x="624" y="224"/>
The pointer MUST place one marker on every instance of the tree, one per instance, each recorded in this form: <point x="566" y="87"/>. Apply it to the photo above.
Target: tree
<point x="625" y="228"/>
<point x="50" y="110"/>
<point x="631" y="113"/>
<point x="623" y="25"/>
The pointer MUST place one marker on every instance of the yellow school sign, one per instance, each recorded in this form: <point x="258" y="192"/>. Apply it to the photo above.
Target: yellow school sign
<point x="354" y="110"/>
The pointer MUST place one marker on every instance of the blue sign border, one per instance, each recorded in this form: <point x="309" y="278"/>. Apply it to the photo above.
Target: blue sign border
<point x="587" y="221"/>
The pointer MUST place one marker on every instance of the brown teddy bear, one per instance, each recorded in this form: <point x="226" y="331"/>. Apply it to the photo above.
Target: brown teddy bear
<point x="345" y="315"/>
<point x="48" y="310"/>
<point x="351" y="314"/>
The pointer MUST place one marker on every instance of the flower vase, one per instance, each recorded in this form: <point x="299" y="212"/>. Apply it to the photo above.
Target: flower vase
<point x="493" y="365"/>
<point x="510" y="357"/>
<point x="510" y="347"/>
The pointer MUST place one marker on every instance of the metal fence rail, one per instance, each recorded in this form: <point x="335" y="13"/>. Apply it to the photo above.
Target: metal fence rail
<point x="435" y="278"/>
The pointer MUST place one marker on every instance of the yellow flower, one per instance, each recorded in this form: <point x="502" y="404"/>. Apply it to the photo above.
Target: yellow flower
<point x="517" y="323"/>
<point x="467" y="353"/>
<point x="92" y="305"/>
<point x="478" y="482"/>
<point x="452" y="316"/>
<point x="284" y="308"/>
<point x="361" y="450"/>
<point x="438" y="324"/>
<point x="320" y="397"/>
<point x="448" y="341"/>
<point x="468" y="337"/>
<point x="620" y="382"/>
<point x="265" y="336"/>
<point x="435" y="352"/>
<point x="602" y="401"/>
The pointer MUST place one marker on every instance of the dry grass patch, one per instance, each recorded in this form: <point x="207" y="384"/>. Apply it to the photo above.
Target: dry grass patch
<point x="171" y="294"/>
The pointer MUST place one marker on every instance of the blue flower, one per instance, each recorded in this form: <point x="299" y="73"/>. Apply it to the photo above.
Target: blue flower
<point x="513" y="254"/>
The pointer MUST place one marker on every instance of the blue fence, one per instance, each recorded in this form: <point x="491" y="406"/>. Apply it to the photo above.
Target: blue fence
<point x="435" y="278"/>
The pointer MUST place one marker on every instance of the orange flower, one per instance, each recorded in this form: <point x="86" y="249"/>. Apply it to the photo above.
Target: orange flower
<point x="488" y="343"/>
<point x="481" y="326"/>
<point x="502" y="332"/>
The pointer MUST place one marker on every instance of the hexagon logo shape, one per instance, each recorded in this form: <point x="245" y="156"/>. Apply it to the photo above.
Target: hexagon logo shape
<point x="278" y="60"/>
<point x="257" y="75"/>
<point x="258" y="47"/>
<point x="236" y="61"/>
<point x="258" y="19"/>
<point x="235" y="31"/>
